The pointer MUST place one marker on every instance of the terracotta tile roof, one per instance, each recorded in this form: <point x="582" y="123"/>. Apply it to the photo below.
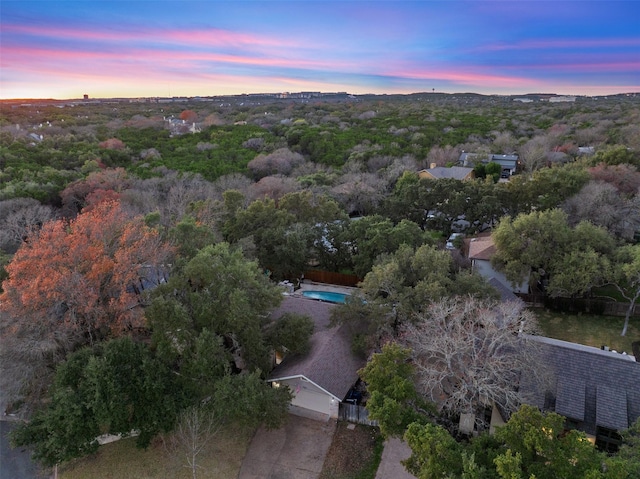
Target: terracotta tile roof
<point x="455" y="172"/>
<point x="481" y="248"/>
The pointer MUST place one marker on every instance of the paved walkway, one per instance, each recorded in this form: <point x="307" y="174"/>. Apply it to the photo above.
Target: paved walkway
<point x="390" y="467"/>
<point x="15" y="463"/>
<point x="295" y="451"/>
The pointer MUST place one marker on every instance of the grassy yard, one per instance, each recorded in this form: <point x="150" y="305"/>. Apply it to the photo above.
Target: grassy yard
<point x="588" y="329"/>
<point x="122" y="460"/>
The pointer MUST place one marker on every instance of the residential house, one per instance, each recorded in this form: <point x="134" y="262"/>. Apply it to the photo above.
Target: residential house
<point x="481" y="250"/>
<point x="439" y="172"/>
<point x="469" y="160"/>
<point x="321" y="379"/>
<point x="509" y="164"/>
<point x="597" y="390"/>
<point x="586" y="150"/>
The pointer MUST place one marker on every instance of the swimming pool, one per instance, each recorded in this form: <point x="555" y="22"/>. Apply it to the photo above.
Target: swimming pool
<point x="327" y="296"/>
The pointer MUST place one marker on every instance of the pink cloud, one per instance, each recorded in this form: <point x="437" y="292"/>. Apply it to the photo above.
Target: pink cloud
<point x="213" y="37"/>
<point x="33" y="57"/>
<point x="209" y="37"/>
<point x="464" y="77"/>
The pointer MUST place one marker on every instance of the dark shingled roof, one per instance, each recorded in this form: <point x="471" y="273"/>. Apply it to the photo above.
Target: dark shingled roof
<point x="505" y="293"/>
<point x="319" y="311"/>
<point x="593" y="387"/>
<point x="570" y="397"/>
<point x="330" y="363"/>
<point x="611" y="408"/>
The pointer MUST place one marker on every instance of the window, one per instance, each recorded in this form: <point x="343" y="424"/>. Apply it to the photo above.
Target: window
<point x="608" y="440"/>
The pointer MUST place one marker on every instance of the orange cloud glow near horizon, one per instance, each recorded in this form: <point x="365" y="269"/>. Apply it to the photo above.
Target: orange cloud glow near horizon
<point x="199" y="48"/>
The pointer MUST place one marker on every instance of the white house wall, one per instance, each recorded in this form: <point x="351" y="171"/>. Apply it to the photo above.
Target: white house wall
<point x="308" y="396"/>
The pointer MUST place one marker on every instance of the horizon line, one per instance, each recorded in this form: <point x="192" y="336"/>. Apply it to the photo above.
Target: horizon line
<point x="89" y="98"/>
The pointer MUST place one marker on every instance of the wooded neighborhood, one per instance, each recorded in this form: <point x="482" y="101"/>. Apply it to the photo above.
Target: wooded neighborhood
<point x="156" y="280"/>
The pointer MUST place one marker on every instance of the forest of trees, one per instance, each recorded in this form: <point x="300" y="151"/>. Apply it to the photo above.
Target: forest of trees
<point x="127" y="247"/>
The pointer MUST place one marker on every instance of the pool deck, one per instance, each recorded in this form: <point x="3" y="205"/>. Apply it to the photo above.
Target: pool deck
<point x="329" y="288"/>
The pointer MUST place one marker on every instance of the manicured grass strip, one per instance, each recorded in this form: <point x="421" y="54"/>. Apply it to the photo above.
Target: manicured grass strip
<point x="122" y="460"/>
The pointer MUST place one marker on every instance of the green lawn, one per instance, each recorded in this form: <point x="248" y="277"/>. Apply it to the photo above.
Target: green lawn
<point x="122" y="460"/>
<point x="588" y="329"/>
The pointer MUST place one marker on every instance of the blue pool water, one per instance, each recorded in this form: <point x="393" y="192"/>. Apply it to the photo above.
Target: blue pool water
<point x="328" y="296"/>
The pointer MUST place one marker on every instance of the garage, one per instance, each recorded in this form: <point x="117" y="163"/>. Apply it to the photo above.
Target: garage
<point x="320" y="379"/>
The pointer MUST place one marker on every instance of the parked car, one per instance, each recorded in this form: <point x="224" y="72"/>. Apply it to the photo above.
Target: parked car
<point x="451" y="241"/>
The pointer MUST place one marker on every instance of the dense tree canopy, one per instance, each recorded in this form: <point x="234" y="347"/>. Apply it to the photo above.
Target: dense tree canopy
<point x="394" y="401"/>
<point x="314" y="162"/>
<point x="218" y="291"/>
<point x="401" y="285"/>
<point x="543" y="248"/>
<point x="530" y="445"/>
<point x="208" y="322"/>
<point x="114" y="388"/>
<point x="85" y="290"/>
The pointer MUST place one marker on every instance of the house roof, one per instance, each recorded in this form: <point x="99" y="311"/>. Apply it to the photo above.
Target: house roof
<point x="509" y="162"/>
<point x="319" y="311"/>
<point x="455" y="172"/>
<point x="330" y="362"/>
<point x="592" y="386"/>
<point x="497" y="158"/>
<point x="482" y="248"/>
<point x="505" y="293"/>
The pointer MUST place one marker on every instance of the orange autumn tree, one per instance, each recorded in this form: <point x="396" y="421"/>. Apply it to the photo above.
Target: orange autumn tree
<point x="72" y="284"/>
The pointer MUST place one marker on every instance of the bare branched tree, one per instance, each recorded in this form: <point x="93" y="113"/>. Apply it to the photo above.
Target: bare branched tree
<point x="533" y="153"/>
<point x="470" y="353"/>
<point x="274" y="187"/>
<point x="504" y="142"/>
<point x="24" y="365"/>
<point x="602" y="204"/>
<point x="232" y="181"/>
<point x="441" y="156"/>
<point x="18" y="217"/>
<point x="359" y="193"/>
<point x="281" y="161"/>
<point x="197" y="426"/>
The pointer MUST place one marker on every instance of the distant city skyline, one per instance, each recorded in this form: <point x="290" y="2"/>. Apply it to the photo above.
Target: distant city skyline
<point x="164" y="48"/>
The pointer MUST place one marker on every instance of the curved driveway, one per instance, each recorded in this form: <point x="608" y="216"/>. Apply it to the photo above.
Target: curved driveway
<point x="15" y="463"/>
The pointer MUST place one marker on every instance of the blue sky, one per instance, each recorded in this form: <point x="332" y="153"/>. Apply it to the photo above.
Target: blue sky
<point x="133" y="48"/>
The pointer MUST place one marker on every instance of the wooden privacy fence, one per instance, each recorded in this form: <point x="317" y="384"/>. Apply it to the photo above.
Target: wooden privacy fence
<point x="329" y="277"/>
<point x="356" y="414"/>
<point x="579" y="305"/>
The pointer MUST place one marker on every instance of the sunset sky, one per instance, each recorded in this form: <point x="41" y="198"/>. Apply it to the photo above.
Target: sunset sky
<point x="136" y="48"/>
